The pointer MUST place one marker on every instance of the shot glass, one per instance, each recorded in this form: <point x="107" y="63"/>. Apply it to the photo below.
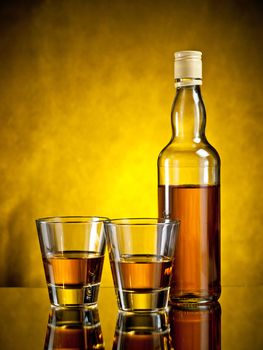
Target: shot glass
<point x="73" y="253"/>
<point x="141" y="255"/>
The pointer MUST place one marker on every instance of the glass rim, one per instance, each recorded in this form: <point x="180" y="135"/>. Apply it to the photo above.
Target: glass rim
<point x="71" y="219"/>
<point x="141" y="222"/>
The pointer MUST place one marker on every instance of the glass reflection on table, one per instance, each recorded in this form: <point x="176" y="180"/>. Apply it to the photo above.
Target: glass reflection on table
<point x="74" y="328"/>
<point x="147" y="331"/>
<point x="196" y="327"/>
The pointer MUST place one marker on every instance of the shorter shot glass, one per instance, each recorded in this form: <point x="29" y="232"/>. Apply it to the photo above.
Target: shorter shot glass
<point x="141" y="253"/>
<point x="72" y="249"/>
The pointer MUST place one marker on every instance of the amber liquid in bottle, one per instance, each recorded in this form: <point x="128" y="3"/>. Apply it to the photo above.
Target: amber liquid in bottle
<point x="197" y="264"/>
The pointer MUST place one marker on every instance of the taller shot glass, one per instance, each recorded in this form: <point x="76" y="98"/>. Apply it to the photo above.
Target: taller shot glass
<point x="72" y="250"/>
<point x="141" y="255"/>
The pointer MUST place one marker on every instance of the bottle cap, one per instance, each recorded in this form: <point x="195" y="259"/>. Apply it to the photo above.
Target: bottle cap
<point x="188" y="65"/>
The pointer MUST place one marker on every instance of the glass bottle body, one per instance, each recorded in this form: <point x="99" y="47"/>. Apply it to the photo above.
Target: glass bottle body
<point x="189" y="190"/>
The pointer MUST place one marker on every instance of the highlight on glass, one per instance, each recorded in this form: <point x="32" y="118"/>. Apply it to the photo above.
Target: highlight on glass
<point x="72" y="249"/>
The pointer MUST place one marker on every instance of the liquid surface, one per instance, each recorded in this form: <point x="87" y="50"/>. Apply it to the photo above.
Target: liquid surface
<point x="197" y="256"/>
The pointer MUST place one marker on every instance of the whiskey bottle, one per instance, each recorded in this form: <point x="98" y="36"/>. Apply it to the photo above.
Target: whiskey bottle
<point x="189" y="188"/>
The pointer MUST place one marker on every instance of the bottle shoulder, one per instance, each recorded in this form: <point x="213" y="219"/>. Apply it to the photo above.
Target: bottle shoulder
<point x="192" y="153"/>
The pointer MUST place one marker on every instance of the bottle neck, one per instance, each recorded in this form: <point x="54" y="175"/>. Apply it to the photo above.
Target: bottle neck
<point x="188" y="113"/>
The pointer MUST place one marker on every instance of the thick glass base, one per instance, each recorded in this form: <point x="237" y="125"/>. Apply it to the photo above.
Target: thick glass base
<point x="199" y="297"/>
<point x="143" y="300"/>
<point x="68" y="295"/>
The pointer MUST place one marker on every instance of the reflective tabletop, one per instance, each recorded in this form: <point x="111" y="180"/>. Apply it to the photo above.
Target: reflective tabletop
<point x="27" y="322"/>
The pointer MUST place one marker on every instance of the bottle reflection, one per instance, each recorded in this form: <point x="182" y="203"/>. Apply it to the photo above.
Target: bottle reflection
<point x="196" y="327"/>
<point x="146" y="331"/>
<point x="74" y="328"/>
